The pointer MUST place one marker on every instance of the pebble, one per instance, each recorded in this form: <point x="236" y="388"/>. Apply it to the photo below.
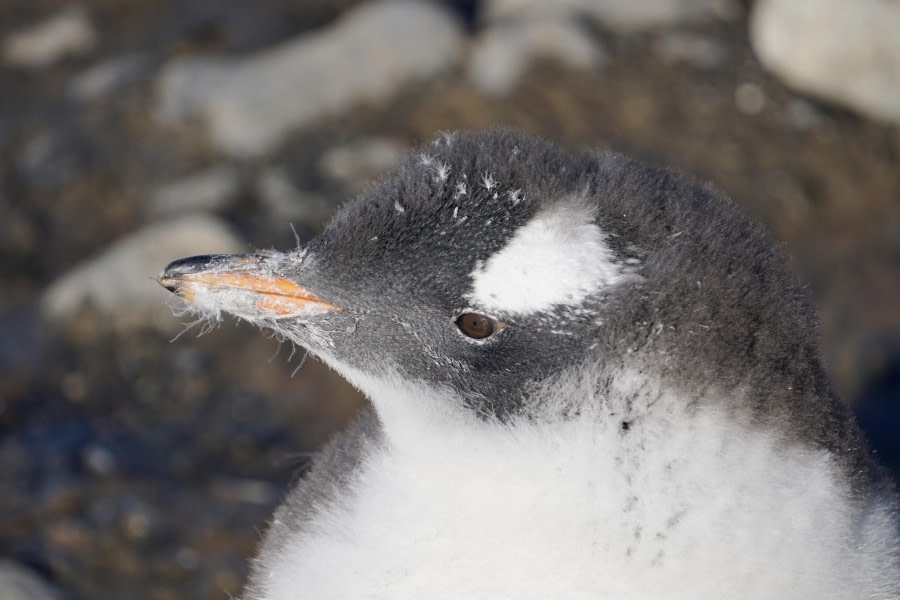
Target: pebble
<point x="20" y="235"/>
<point x="188" y="559"/>
<point x="118" y="283"/>
<point x="357" y="163"/>
<point x="697" y="51"/>
<point x="75" y="387"/>
<point x="749" y="98"/>
<point x="98" y="459"/>
<point x="107" y="77"/>
<point x="802" y="115"/>
<point x="22" y="346"/>
<point x="502" y="54"/>
<point x="54" y="156"/>
<point x="845" y="52"/>
<point x="214" y="189"/>
<point x="68" y="33"/>
<point x="284" y="202"/>
<point x="20" y="583"/>
<point x="250" y="105"/>
<point x="622" y="16"/>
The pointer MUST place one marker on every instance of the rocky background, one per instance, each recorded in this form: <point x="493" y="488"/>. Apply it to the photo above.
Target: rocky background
<point x="133" y="465"/>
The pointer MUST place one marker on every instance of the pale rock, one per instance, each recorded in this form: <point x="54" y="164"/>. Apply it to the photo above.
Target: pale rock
<point x="251" y="105"/>
<point x="68" y="33"/>
<point x="502" y="54"/>
<point x="802" y="115"/>
<point x="211" y="190"/>
<point x="846" y="52"/>
<point x="749" y="98"/>
<point x="118" y="283"/>
<point x="107" y="77"/>
<point x="20" y="583"/>
<point x="623" y="16"/>
<point x="98" y="459"/>
<point x="285" y="203"/>
<point x="359" y="162"/>
<point x="54" y="156"/>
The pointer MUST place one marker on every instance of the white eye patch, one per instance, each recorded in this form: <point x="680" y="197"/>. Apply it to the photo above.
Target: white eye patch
<point x="558" y="258"/>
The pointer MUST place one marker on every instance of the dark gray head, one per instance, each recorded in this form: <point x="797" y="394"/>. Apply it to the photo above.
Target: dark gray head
<point x="489" y="264"/>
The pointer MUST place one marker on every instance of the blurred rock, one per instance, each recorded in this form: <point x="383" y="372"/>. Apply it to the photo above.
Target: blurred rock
<point x="619" y="15"/>
<point x="691" y="49"/>
<point x="68" y="33"/>
<point x="749" y="98"/>
<point x="98" y="459"/>
<point x="361" y="161"/>
<point x="118" y="283"/>
<point x="238" y="26"/>
<point x="250" y="105"/>
<point x="19" y="583"/>
<point x="107" y="77"/>
<point x="284" y="203"/>
<point x="503" y="54"/>
<point x="212" y="190"/>
<point x="844" y="52"/>
<point x="20" y="343"/>
<point x="54" y="156"/>
<point x="138" y="520"/>
<point x="19" y="234"/>
<point x="802" y="115"/>
<point x="188" y="559"/>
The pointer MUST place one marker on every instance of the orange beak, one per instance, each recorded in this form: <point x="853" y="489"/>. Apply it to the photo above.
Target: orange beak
<point x="239" y="283"/>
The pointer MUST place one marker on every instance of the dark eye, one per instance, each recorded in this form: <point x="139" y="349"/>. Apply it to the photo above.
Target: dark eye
<point x="477" y="326"/>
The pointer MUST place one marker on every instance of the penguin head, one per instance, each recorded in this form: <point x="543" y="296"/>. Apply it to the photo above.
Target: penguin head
<point x="489" y="264"/>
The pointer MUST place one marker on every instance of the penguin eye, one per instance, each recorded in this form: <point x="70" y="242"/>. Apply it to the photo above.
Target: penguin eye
<point x="477" y="326"/>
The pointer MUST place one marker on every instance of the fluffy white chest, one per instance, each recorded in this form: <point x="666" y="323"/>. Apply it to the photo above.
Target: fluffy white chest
<point x="686" y="509"/>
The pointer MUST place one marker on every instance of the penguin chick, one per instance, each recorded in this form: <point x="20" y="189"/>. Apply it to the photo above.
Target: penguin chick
<point x="589" y="378"/>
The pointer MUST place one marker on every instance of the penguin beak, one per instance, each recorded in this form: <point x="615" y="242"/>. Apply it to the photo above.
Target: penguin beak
<point x="242" y="284"/>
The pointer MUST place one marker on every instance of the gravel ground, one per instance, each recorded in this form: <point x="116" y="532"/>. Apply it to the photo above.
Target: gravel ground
<point x="138" y="466"/>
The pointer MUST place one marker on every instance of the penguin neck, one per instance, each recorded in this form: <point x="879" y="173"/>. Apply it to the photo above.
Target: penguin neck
<point x="411" y="413"/>
<point x="583" y="404"/>
<point x="684" y="479"/>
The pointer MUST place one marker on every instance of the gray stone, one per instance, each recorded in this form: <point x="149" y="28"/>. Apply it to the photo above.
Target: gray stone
<point x="844" y="52"/>
<point x="802" y="115"/>
<point x="68" y="33"/>
<point x="691" y="49"/>
<point x="749" y="98"/>
<point x="502" y="54"/>
<point x="118" y="283"/>
<point x="357" y="163"/>
<point x="284" y="202"/>
<point x="211" y="190"/>
<point x="98" y="459"/>
<point x="54" y="156"/>
<point x="107" y="77"/>
<point x="20" y="583"/>
<point x="619" y="15"/>
<point x="250" y="105"/>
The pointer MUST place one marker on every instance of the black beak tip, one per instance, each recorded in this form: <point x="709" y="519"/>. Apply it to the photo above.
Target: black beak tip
<point x="186" y="266"/>
<point x="168" y="283"/>
<point x="193" y="265"/>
